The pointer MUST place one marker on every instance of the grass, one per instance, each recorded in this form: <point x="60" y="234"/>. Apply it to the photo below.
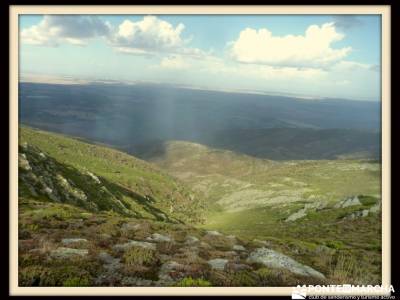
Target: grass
<point x="139" y="187"/>
<point x="346" y="251"/>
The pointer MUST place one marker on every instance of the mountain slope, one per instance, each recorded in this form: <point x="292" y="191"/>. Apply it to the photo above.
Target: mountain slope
<point x="98" y="178"/>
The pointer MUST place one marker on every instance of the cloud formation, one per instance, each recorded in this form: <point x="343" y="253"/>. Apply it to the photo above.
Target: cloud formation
<point x="54" y="30"/>
<point x="148" y="35"/>
<point x="313" y="49"/>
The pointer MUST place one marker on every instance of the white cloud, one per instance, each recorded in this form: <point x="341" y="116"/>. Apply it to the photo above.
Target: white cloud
<point x="313" y="49"/>
<point x="148" y="34"/>
<point x="151" y="36"/>
<point x="56" y="29"/>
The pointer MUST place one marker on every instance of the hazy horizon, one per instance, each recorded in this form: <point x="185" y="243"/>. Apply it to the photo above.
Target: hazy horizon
<point x="334" y="56"/>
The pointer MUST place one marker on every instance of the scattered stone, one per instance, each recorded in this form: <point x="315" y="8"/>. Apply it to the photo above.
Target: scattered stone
<point x="23" y="162"/>
<point x="41" y="154"/>
<point x="238" y="248"/>
<point x="231" y="237"/>
<point x="264" y="243"/>
<point x="63" y="252"/>
<point x="107" y="258"/>
<point x="352" y="201"/>
<point x="73" y="240"/>
<point x="205" y="245"/>
<point x="130" y="226"/>
<point x="94" y="177"/>
<point x="213" y="232"/>
<point x="273" y="259"/>
<point x="168" y="269"/>
<point x="237" y="267"/>
<point x="218" y="263"/>
<point x="297" y="215"/>
<point x="156" y="237"/>
<point x="191" y="240"/>
<point x="375" y="208"/>
<point x="358" y="214"/>
<point x="313" y="206"/>
<point x="130" y="244"/>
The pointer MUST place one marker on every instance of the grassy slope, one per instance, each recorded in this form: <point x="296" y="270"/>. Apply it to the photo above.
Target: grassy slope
<point x="125" y="175"/>
<point x="345" y="251"/>
<point x="235" y="178"/>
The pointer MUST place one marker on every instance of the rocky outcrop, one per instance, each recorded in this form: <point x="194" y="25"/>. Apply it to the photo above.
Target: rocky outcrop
<point x="317" y="205"/>
<point x="130" y="244"/>
<point x="352" y="201"/>
<point x="63" y="252"/>
<point x="273" y="259"/>
<point x="73" y="241"/>
<point x="218" y="263"/>
<point x="156" y="237"/>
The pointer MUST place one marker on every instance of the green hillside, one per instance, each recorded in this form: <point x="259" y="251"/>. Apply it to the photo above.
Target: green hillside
<point x="293" y="205"/>
<point x="99" y="178"/>
<point x="93" y="216"/>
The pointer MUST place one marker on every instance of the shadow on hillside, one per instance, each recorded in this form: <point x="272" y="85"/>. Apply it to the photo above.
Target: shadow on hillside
<point x="279" y="144"/>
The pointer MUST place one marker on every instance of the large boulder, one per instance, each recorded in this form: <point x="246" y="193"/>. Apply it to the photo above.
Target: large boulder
<point x="273" y="259"/>
<point x="218" y="263"/>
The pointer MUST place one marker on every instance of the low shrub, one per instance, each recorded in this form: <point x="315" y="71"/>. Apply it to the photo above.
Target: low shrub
<point x="190" y="282"/>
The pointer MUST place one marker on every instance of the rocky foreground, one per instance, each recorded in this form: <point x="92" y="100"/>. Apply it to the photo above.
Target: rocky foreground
<point x="61" y="245"/>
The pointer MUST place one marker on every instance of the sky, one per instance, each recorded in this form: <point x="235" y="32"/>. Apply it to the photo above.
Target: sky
<point x="336" y="56"/>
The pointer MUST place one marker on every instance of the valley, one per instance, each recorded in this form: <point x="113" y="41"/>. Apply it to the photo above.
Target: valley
<point x="212" y="226"/>
<point x="152" y="185"/>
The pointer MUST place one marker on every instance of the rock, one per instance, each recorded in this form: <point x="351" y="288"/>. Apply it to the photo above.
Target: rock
<point x="156" y="237"/>
<point x="231" y="237"/>
<point x="218" y="263"/>
<point x="213" y="232"/>
<point x="264" y="243"/>
<point x="273" y="259"/>
<point x="191" y="240"/>
<point x="313" y="206"/>
<point x="94" y="177"/>
<point x="63" y="252"/>
<point x="358" y="214"/>
<point x="130" y="244"/>
<point x="348" y="202"/>
<point x="205" y="245"/>
<point x="41" y="154"/>
<point x="130" y="226"/>
<point x="73" y="240"/>
<point x="23" y="162"/>
<point x="107" y="258"/>
<point x="297" y="215"/>
<point x="238" y="248"/>
<point x="169" y="268"/>
<point x="375" y="209"/>
<point x="237" y="267"/>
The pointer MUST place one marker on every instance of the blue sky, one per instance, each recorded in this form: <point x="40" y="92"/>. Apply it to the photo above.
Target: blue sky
<point x="315" y="55"/>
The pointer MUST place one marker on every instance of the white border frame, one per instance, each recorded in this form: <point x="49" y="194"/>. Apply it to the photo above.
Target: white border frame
<point x="16" y="10"/>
